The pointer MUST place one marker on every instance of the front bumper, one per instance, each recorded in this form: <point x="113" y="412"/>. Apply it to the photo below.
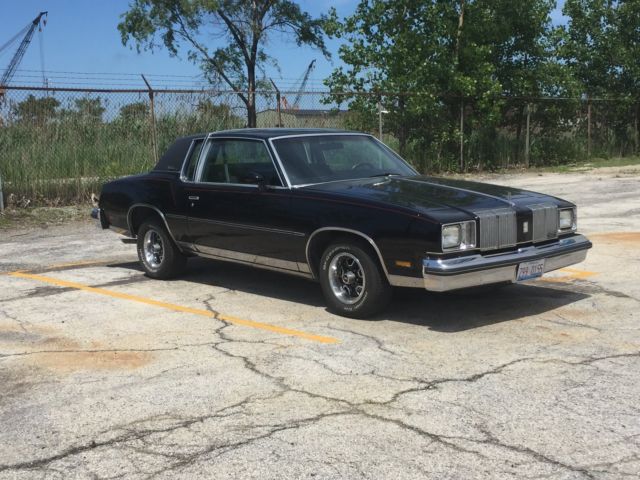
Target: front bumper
<point x="454" y="273"/>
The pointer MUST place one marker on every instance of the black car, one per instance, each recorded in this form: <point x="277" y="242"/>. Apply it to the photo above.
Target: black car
<point x="338" y="207"/>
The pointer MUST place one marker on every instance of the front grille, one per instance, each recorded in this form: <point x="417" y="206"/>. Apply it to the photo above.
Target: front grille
<point x="545" y="222"/>
<point x="498" y="228"/>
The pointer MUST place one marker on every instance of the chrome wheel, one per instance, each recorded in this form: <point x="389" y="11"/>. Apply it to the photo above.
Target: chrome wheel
<point x="153" y="249"/>
<point x="346" y="277"/>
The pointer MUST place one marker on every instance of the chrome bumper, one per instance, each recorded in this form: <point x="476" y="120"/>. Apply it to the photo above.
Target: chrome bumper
<point x="462" y="272"/>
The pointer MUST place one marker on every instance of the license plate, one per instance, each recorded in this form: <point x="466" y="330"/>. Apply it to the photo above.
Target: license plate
<point x="529" y="270"/>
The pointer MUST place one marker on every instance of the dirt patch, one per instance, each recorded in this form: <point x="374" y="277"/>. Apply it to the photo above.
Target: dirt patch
<point x="616" y="237"/>
<point x="72" y="361"/>
<point x="42" y="217"/>
<point x="46" y="348"/>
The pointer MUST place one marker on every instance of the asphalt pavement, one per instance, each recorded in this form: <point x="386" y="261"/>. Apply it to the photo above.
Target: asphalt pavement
<point x="233" y="372"/>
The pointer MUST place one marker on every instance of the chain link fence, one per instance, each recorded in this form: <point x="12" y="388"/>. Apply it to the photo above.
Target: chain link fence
<point x="59" y="145"/>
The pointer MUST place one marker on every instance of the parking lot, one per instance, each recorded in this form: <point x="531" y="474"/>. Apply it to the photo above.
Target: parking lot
<point x="233" y="372"/>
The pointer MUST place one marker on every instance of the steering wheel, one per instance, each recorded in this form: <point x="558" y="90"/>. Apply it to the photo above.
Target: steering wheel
<point x="363" y="165"/>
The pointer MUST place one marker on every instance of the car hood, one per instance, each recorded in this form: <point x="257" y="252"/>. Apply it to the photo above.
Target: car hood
<point x="433" y="196"/>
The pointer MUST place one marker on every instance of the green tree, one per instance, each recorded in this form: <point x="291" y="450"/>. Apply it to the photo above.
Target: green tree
<point x="241" y="29"/>
<point x="90" y="109"/>
<point x="134" y="111"/>
<point x="601" y="47"/>
<point x="36" y="110"/>
<point x="207" y="109"/>
<point x="453" y="57"/>
<point x="86" y="110"/>
<point x="589" y="46"/>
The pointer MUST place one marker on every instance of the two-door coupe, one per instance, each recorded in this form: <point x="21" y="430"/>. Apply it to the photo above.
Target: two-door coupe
<point x="338" y="207"/>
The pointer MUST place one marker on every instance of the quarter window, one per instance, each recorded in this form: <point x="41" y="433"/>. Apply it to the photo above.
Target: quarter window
<point x="192" y="161"/>
<point x="231" y="161"/>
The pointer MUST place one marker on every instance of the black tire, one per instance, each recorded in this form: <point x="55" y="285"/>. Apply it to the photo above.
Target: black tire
<point x="168" y="261"/>
<point x="375" y="291"/>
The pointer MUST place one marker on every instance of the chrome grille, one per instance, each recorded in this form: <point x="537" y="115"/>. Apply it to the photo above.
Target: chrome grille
<point x="545" y="222"/>
<point x="498" y="228"/>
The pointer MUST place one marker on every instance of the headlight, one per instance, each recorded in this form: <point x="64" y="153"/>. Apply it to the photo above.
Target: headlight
<point x="459" y="236"/>
<point x="451" y="236"/>
<point x="567" y="220"/>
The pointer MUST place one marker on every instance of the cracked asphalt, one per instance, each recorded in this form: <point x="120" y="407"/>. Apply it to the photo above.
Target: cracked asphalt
<point x="231" y="372"/>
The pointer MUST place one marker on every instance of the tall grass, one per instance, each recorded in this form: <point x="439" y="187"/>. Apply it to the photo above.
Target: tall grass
<point x="63" y="162"/>
<point x="62" y="155"/>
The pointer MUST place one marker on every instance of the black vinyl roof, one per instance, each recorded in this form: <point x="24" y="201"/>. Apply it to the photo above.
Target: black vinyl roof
<point x="275" y="132"/>
<point x="174" y="156"/>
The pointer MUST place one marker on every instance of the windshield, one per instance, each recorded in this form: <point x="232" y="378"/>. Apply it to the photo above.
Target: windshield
<point x="326" y="158"/>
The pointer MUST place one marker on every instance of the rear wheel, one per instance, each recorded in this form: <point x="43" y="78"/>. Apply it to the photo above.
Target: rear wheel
<point x="158" y="254"/>
<point x="352" y="280"/>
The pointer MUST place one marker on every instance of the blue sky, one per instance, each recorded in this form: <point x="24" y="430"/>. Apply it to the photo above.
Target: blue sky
<point x="82" y="36"/>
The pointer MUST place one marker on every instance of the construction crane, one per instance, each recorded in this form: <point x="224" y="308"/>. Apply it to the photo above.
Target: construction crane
<point x="27" y="34"/>
<point x="299" y="87"/>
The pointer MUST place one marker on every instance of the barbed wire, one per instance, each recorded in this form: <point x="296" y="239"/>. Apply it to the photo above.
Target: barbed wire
<point x="89" y="87"/>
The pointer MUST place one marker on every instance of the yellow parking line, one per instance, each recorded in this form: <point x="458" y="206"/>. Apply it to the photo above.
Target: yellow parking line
<point x="59" y="266"/>
<point x="177" y="308"/>
<point x="85" y="263"/>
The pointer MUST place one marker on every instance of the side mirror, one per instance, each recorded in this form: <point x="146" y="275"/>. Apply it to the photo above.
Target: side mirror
<point x="253" y="178"/>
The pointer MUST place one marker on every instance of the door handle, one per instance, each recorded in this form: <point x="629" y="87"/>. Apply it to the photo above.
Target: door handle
<point x="194" y="197"/>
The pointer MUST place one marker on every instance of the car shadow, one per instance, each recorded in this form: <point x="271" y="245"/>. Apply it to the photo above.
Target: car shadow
<point x="444" y="312"/>
<point x="478" y="307"/>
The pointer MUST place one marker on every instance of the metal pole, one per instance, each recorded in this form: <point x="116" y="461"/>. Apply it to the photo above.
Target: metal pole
<point x="462" y="134"/>
<point x="526" y="141"/>
<point x="152" y="113"/>
<point x="636" y="138"/>
<point x="588" y="127"/>
<point x="380" y="120"/>
<point x="1" y="196"/>
<point x="277" y="100"/>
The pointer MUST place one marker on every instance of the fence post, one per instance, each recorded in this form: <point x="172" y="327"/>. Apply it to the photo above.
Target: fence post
<point x="461" y="134"/>
<point x="152" y="114"/>
<point x="278" y="103"/>
<point x="1" y="196"/>
<point x="588" y="127"/>
<point x="279" y="110"/>
<point x="526" y="137"/>
<point x="636" y="138"/>
<point x="379" y="120"/>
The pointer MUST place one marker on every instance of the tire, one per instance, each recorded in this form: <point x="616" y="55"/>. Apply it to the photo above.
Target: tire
<point x="352" y="280"/>
<point x="158" y="254"/>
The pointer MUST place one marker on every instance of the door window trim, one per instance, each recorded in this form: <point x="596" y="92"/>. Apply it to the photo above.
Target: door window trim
<point x="212" y="137"/>
<point x="185" y="162"/>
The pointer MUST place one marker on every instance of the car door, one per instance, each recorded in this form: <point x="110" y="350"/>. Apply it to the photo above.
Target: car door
<point x="232" y="216"/>
<point x="176" y="215"/>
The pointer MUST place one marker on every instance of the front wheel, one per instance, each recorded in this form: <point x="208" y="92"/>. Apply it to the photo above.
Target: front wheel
<point x="158" y="254"/>
<point x="352" y="281"/>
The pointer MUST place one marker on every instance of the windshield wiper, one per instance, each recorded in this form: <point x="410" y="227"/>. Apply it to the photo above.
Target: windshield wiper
<point x="385" y="174"/>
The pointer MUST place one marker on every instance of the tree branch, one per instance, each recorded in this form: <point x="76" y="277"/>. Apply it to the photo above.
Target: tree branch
<point x="220" y="71"/>
<point x="236" y="34"/>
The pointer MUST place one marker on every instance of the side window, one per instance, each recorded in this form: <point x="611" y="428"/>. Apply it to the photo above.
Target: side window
<point x="231" y="161"/>
<point x="192" y="160"/>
